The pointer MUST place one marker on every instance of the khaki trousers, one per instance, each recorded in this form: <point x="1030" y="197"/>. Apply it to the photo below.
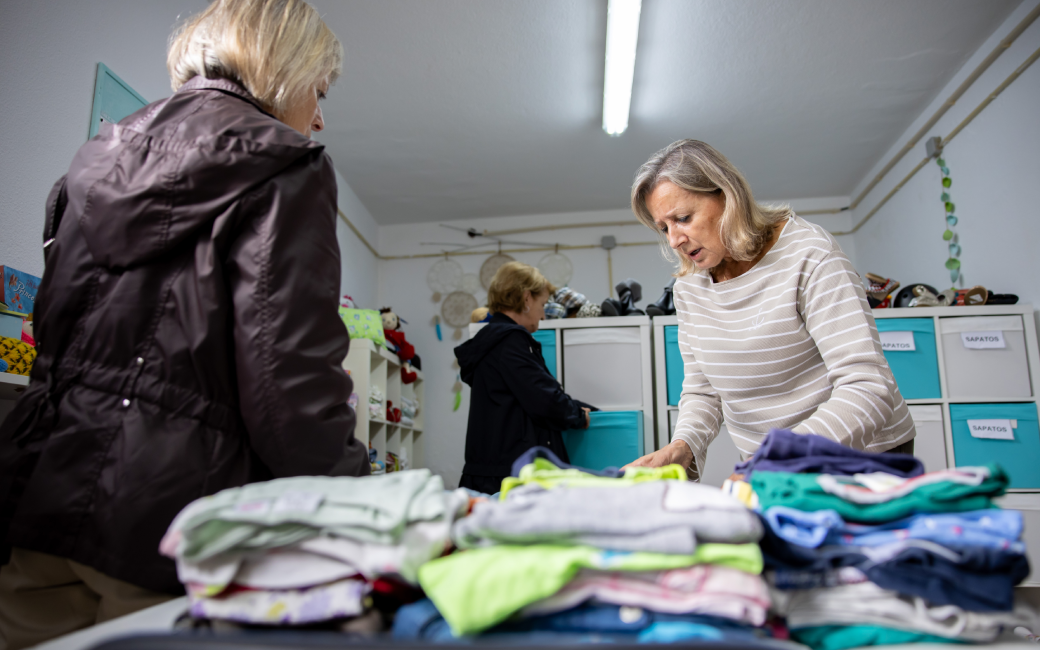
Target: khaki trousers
<point x="43" y="596"/>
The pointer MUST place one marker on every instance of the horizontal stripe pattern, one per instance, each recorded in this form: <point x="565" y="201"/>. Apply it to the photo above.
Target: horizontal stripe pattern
<point x="790" y="344"/>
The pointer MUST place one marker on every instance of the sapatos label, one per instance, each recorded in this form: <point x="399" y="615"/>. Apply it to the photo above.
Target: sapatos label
<point x="897" y="341"/>
<point x="983" y="340"/>
<point x="992" y="429"/>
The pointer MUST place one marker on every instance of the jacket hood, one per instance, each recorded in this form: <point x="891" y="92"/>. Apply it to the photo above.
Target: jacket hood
<point x="473" y="351"/>
<point x="145" y="185"/>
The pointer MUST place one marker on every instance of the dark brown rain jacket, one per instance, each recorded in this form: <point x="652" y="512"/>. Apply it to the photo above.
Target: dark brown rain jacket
<point x="187" y="332"/>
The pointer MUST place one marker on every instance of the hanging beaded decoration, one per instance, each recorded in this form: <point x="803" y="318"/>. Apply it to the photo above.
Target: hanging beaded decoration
<point x="953" y="263"/>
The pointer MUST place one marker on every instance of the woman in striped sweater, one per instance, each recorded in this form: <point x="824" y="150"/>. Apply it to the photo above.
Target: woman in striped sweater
<point x="774" y="326"/>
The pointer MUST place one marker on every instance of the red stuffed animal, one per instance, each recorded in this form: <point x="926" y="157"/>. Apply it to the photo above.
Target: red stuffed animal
<point x="393" y="333"/>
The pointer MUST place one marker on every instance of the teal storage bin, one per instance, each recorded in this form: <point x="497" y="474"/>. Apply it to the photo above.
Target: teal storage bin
<point x="547" y="338"/>
<point x="916" y="372"/>
<point x="673" y="364"/>
<point x="613" y="439"/>
<point x="1020" y="457"/>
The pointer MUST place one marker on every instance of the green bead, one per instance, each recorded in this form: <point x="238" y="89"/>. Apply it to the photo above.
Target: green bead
<point x="948" y="235"/>
<point x="949" y="206"/>
<point x="953" y="263"/>
<point x="947" y="182"/>
<point x="944" y="197"/>
<point x="940" y="162"/>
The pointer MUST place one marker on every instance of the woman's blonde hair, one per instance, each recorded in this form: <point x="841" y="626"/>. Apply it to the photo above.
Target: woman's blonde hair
<point x="277" y="49"/>
<point x="510" y="283"/>
<point x="696" y="166"/>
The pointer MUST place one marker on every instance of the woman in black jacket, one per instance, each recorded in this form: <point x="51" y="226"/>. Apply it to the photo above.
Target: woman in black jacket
<point x="188" y="339"/>
<point x="515" y="403"/>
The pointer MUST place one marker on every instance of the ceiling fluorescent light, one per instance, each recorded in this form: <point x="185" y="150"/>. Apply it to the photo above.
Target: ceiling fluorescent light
<point x="622" y="34"/>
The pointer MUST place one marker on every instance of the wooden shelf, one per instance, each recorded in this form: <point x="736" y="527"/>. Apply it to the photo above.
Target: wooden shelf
<point x="11" y="385"/>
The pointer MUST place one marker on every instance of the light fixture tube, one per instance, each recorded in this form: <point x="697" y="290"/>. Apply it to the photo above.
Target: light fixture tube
<point x="622" y="34"/>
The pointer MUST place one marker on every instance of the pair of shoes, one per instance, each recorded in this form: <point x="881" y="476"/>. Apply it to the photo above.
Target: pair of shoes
<point x="629" y="293"/>
<point x="665" y="305"/>
<point x="879" y="289"/>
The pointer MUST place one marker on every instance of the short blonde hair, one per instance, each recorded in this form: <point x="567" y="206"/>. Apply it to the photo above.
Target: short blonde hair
<point x="696" y="166"/>
<point x="511" y="282"/>
<point x="277" y="49"/>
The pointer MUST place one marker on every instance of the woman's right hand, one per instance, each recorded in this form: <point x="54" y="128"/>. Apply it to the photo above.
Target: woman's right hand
<point x="588" y="419"/>
<point x="676" y="452"/>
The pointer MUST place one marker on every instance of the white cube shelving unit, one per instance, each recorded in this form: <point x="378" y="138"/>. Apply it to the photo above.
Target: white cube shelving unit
<point x="369" y="366"/>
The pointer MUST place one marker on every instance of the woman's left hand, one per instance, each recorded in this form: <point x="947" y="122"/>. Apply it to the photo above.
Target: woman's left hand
<point x="588" y="419"/>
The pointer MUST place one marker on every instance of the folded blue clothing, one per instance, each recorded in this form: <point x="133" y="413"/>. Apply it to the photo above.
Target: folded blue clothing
<point x="585" y="623"/>
<point x="973" y="578"/>
<point x="993" y="528"/>
<point x="543" y="452"/>
<point x="786" y="451"/>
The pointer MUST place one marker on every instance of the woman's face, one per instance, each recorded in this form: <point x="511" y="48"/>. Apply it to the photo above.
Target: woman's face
<point x="535" y="305"/>
<point x="690" y="221"/>
<point x="304" y="115"/>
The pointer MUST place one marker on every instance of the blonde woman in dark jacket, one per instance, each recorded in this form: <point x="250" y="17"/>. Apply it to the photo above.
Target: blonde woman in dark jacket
<point x="187" y="326"/>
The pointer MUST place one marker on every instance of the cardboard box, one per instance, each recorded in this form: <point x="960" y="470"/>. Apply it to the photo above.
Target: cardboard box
<point x="19" y="289"/>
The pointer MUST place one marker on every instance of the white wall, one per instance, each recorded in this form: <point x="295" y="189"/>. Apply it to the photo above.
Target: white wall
<point x="358" y="275"/>
<point x="994" y="164"/>
<point x="402" y="285"/>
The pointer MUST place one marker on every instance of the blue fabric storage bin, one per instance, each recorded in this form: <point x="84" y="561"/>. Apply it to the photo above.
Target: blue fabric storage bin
<point x="673" y="364"/>
<point x="917" y="372"/>
<point x="613" y="439"/>
<point x="548" y="340"/>
<point x="1020" y="457"/>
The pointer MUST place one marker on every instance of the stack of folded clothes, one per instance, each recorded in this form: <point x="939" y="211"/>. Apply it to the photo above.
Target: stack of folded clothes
<point x="866" y="549"/>
<point x="568" y="555"/>
<point x="311" y="551"/>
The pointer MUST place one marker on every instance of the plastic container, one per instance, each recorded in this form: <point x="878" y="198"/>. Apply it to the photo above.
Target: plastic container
<point x="1019" y="455"/>
<point x="602" y="366"/>
<point x="916" y="370"/>
<point x="673" y="364"/>
<point x="613" y="439"/>
<point x="985" y="356"/>
<point x="930" y="442"/>
<point x="547" y="339"/>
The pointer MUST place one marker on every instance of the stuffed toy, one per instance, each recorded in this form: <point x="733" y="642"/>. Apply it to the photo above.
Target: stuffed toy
<point x="392" y="330"/>
<point x="479" y="315"/>
<point x="408" y="374"/>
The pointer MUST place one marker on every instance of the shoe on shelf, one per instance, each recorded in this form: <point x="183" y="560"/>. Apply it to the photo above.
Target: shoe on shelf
<point x="629" y="292"/>
<point x="665" y="305"/>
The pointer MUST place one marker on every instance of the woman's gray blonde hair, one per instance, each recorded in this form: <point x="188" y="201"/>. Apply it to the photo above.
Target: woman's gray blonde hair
<point x="277" y="49"/>
<point x="696" y="166"/>
<point x="511" y="282"/>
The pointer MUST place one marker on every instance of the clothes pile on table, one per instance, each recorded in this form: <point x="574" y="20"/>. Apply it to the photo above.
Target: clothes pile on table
<point x="566" y="555"/>
<point x="312" y="551"/>
<point x="867" y="549"/>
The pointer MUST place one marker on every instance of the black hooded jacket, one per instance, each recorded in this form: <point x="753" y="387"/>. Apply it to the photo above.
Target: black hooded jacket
<point x="187" y="332"/>
<point x="515" y="403"/>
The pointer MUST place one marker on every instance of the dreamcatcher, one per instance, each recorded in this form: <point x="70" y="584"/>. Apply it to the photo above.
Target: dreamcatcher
<point x="456" y="310"/>
<point x="556" y="268"/>
<point x="491" y="266"/>
<point x="443" y="277"/>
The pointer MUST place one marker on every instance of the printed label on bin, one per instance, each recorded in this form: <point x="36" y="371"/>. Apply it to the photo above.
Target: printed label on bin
<point x="897" y="341"/>
<point x="992" y="429"/>
<point x="983" y="340"/>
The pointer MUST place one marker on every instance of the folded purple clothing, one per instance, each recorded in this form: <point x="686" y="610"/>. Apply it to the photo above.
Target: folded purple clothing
<point x="786" y="451"/>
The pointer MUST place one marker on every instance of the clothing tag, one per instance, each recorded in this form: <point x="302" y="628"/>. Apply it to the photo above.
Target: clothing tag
<point x="897" y="341"/>
<point x="253" y="507"/>
<point x="879" y="481"/>
<point x="983" y="340"/>
<point x="298" y="502"/>
<point x="992" y="429"/>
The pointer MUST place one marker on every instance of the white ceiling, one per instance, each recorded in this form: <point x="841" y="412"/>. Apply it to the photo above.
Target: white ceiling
<point x="455" y="109"/>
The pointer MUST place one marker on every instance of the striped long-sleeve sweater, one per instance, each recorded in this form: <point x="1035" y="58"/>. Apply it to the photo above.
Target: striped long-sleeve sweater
<point x="789" y="344"/>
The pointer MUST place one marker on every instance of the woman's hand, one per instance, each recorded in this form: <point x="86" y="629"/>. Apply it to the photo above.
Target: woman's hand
<point x="677" y="452"/>
<point x="588" y="420"/>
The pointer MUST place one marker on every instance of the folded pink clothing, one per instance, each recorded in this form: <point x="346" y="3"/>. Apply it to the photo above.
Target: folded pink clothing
<point x="701" y="589"/>
<point x="341" y="599"/>
<point x="880" y="487"/>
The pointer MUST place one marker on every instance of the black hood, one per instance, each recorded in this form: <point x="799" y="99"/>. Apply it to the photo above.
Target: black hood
<point x="148" y="183"/>
<point x="473" y="351"/>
